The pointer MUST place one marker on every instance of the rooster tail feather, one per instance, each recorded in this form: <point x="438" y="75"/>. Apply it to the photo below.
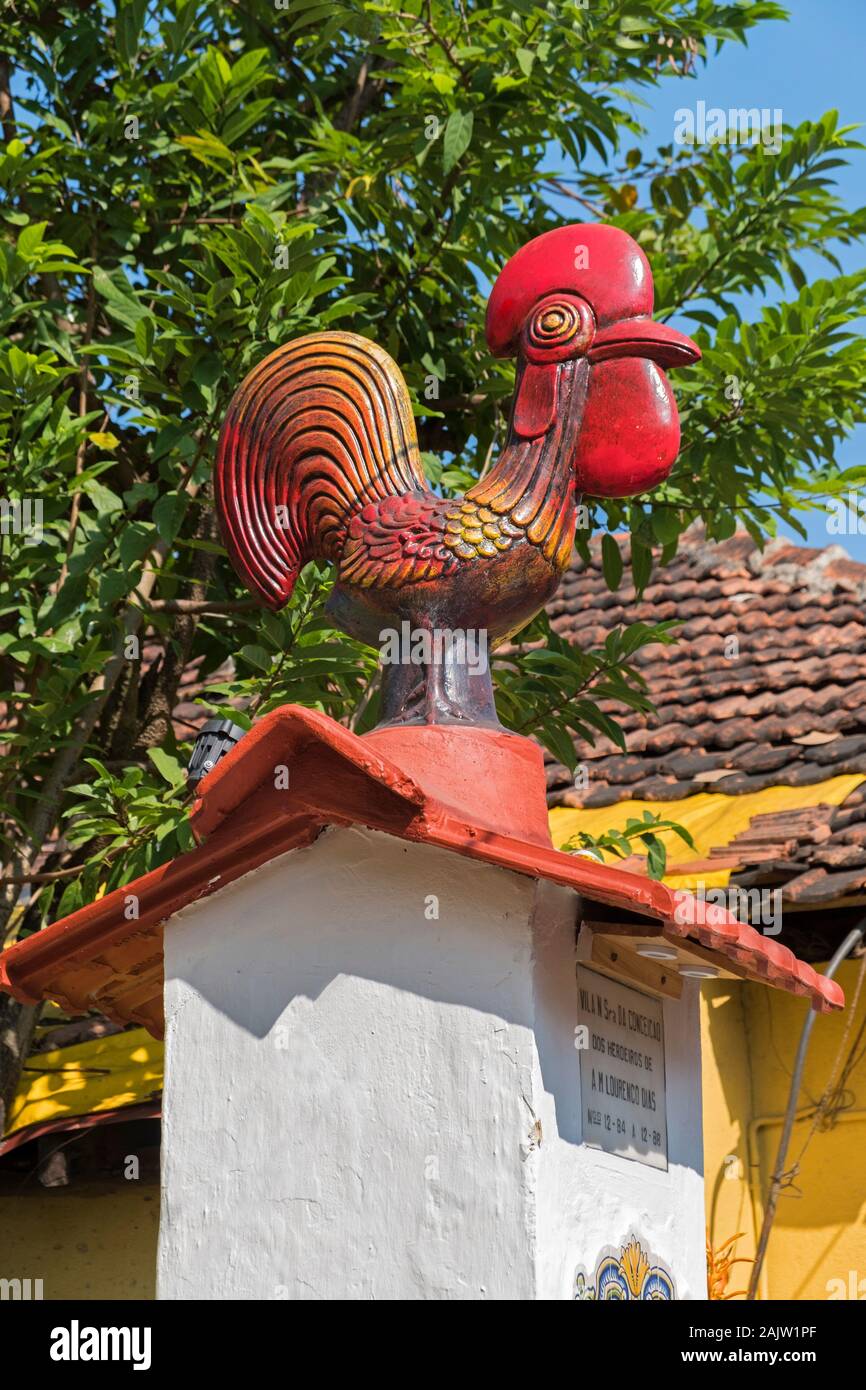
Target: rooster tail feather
<point x="315" y="432"/>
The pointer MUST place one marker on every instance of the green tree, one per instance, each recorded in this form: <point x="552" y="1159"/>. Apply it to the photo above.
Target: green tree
<point x="188" y="184"/>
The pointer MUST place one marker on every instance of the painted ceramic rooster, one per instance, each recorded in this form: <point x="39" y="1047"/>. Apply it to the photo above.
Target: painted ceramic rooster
<point x="318" y="459"/>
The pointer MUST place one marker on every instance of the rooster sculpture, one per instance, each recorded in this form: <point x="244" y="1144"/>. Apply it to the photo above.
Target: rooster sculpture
<point x="318" y="459"/>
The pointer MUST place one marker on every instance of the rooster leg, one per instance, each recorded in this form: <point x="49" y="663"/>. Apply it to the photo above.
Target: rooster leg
<point x="459" y="685"/>
<point x="445" y="681"/>
<point x="403" y="694"/>
<point x="442" y="691"/>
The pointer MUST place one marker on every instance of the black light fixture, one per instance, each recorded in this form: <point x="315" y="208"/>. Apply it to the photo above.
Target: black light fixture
<point x="214" y="739"/>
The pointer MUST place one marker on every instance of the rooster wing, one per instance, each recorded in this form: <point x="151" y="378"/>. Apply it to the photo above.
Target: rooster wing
<point x="419" y="536"/>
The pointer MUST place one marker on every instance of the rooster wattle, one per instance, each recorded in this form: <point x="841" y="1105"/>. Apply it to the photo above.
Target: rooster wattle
<point x="318" y="459"/>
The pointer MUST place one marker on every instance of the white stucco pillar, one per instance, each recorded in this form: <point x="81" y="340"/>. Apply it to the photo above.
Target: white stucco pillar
<point x="372" y="1090"/>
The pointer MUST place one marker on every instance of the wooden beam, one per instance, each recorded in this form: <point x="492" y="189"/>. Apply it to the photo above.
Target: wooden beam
<point x="621" y="963"/>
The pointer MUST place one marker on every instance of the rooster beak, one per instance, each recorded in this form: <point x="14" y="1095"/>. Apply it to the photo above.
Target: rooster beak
<point x="643" y="337"/>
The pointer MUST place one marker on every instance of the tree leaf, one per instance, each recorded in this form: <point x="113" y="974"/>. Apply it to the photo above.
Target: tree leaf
<point x="456" y="138"/>
<point x="167" y="766"/>
<point x="611" y="560"/>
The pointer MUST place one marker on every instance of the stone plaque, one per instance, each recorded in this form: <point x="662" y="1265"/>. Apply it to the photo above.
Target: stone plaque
<point x="621" y="1044"/>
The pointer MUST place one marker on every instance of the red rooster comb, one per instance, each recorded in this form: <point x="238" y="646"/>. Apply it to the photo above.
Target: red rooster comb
<point x="606" y="268"/>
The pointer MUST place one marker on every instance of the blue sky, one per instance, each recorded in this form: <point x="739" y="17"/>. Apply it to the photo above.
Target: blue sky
<point x="806" y="66"/>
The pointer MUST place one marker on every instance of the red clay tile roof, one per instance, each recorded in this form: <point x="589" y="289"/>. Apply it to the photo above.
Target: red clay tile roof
<point x="789" y="710"/>
<point x="98" y="959"/>
<point x="814" y="855"/>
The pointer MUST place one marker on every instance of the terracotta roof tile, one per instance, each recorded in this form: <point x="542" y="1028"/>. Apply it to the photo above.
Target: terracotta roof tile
<point x="810" y="681"/>
<point x="788" y="710"/>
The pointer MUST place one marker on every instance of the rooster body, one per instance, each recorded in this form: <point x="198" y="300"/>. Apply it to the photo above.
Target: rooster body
<point x="318" y="459"/>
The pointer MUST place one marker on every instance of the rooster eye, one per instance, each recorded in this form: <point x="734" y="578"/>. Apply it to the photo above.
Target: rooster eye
<point x="559" y="327"/>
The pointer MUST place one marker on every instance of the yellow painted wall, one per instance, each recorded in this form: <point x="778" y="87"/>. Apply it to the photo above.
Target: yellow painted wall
<point x="750" y="1037"/>
<point x="88" y="1240"/>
